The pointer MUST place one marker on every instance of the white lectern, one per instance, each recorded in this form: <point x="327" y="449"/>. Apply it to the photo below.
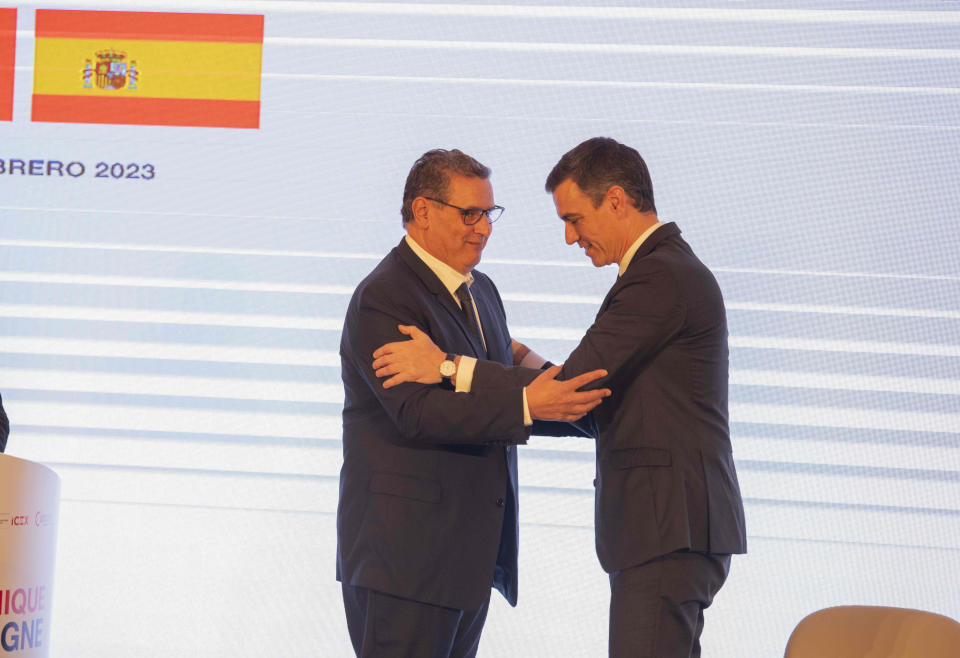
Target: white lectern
<point x="29" y="502"/>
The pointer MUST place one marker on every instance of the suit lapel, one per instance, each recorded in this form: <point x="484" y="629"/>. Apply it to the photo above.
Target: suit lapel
<point x="433" y="284"/>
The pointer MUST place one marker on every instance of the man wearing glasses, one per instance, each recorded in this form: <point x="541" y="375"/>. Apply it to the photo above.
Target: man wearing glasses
<point x="427" y="518"/>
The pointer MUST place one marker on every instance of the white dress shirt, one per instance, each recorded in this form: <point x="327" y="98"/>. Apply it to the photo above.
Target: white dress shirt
<point x="451" y="280"/>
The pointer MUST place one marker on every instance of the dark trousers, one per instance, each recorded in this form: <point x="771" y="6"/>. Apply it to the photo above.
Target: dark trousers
<point x="656" y="608"/>
<point x="385" y="626"/>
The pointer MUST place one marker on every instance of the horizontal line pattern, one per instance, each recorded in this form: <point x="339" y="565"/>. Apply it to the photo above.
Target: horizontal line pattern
<point x="609" y="49"/>
<point x="157" y="343"/>
<point x="108" y="368"/>
<point x="547" y="11"/>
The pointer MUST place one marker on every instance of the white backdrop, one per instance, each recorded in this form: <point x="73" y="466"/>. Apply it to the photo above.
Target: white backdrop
<point x="169" y="346"/>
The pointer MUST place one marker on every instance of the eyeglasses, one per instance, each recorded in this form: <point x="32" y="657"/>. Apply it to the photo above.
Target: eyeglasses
<point x="471" y="216"/>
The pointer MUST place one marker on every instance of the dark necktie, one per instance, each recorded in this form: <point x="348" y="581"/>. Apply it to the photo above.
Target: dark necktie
<point x="469" y="315"/>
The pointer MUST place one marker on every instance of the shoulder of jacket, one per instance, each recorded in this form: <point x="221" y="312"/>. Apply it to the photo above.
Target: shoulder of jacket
<point x="390" y="274"/>
<point x="480" y="276"/>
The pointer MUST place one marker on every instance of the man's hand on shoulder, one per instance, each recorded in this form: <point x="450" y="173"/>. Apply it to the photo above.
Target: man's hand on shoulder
<point x="415" y="360"/>
<point x="551" y="399"/>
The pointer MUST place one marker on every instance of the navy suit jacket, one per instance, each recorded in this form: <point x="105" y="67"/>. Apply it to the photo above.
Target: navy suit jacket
<point x="428" y="487"/>
<point x="4" y="427"/>
<point x="666" y="479"/>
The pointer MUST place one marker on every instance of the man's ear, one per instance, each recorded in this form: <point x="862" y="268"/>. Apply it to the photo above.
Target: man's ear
<point x="421" y="214"/>
<point x="617" y="197"/>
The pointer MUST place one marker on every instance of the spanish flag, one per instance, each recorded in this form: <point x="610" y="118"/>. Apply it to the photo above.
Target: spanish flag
<point x="8" y="50"/>
<point x="147" y="68"/>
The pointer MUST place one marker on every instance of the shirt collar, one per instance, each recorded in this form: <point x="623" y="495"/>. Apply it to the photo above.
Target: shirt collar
<point x="449" y="277"/>
<point x="627" y="257"/>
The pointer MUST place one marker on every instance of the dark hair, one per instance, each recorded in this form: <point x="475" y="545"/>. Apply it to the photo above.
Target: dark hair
<point x="600" y="163"/>
<point x="430" y="176"/>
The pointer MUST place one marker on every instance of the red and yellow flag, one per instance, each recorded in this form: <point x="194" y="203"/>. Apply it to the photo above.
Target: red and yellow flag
<point x="148" y="68"/>
<point x="8" y="51"/>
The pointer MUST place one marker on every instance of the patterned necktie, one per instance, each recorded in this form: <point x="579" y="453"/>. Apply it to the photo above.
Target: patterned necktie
<point x="469" y="315"/>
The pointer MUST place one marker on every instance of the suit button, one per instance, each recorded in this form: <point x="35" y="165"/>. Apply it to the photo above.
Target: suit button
<point x="499" y="502"/>
<point x="594" y="481"/>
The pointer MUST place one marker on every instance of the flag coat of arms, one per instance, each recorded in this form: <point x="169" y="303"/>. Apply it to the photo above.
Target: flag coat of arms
<point x="147" y="68"/>
<point x="8" y="51"/>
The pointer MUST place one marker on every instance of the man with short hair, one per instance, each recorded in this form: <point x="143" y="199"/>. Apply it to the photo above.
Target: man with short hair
<point x="427" y="517"/>
<point x="668" y="508"/>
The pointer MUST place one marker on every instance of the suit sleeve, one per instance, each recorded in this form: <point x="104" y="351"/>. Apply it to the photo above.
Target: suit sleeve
<point x="639" y="320"/>
<point x="641" y="317"/>
<point x="426" y="414"/>
<point x="492" y="375"/>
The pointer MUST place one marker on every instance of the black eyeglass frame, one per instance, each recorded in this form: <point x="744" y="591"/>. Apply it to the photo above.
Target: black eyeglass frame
<point x="464" y="212"/>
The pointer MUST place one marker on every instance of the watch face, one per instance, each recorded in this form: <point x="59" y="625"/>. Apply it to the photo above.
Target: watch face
<point x="447" y="368"/>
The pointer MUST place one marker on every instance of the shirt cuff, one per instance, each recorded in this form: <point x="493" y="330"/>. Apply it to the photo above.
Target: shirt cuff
<point x="532" y="360"/>
<point x="464" y="380"/>
<point x="527" y="420"/>
<point x="465" y="374"/>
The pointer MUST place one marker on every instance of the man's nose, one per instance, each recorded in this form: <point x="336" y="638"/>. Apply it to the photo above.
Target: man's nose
<point x="570" y="233"/>
<point x="483" y="226"/>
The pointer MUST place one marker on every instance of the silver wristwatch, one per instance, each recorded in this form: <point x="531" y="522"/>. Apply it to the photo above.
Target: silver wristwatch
<point x="448" y="368"/>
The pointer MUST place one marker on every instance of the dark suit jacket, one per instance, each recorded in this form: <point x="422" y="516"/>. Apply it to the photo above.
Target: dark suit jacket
<point x="429" y="477"/>
<point x="4" y="427"/>
<point x="665" y="474"/>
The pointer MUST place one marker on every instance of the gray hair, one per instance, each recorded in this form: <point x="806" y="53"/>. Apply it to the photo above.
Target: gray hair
<point x="430" y="176"/>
